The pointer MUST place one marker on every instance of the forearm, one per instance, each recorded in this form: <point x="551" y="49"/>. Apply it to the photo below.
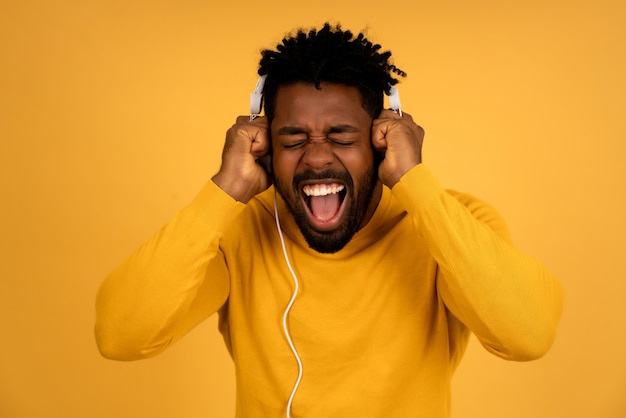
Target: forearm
<point x="171" y="283"/>
<point x="509" y="300"/>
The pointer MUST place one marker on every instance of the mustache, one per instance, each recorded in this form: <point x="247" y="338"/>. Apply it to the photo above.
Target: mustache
<point x="309" y="174"/>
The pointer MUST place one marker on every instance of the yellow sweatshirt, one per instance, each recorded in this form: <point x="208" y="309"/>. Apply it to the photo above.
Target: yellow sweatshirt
<point x="380" y="326"/>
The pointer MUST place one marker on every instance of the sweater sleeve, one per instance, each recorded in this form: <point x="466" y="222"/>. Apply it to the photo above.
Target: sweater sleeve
<point x="506" y="298"/>
<point x="171" y="283"/>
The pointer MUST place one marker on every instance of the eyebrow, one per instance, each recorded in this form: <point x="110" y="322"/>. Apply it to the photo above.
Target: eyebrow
<point x="290" y="130"/>
<point x="294" y="130"/>
<point x="343" y="129"/>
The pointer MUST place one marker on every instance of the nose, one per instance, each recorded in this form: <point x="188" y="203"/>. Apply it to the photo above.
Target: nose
<point x="318" y="154"/>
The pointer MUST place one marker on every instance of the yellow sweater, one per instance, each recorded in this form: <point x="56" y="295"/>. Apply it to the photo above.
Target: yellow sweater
<point x="380" y="326"/>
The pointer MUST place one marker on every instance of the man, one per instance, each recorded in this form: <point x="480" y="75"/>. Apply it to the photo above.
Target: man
<point x="352" y="291"/>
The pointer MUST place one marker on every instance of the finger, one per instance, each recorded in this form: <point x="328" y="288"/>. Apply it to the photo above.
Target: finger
<point x="259" y="131"/>
<point x="260" y="143"/>
<point x="254" y="130"/>
<point x="392" y="114"/>
<point x="380" y="128"/>
<point x="390" y="126"/>
<point x="388" y="120"/>
<point x="258" y="120"/>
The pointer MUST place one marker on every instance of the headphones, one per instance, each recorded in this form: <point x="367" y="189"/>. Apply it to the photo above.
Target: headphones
<point x="256" y="100"/>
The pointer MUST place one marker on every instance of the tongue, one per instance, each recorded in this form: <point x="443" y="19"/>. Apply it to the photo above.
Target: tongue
<point x="325" y="207"/>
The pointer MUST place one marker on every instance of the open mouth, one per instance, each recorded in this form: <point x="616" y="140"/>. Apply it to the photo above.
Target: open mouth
<point x="324" y="203"/>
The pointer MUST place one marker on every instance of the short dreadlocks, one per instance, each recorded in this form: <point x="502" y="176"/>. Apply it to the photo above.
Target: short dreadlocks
<point x="329" y="55"/>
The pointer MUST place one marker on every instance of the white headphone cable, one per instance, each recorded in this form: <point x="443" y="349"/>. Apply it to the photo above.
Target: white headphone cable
<point x="286" y="313"/>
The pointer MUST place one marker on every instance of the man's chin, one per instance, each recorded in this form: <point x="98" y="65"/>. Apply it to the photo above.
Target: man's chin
<point x="326" y="244"/>
<point x="325" y="240"/>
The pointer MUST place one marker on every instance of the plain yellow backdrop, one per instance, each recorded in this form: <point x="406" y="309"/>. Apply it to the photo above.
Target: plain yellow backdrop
<point x="112" y="116"/>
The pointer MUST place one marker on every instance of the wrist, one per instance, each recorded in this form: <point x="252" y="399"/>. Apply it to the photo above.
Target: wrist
<point x="238" y="189"/>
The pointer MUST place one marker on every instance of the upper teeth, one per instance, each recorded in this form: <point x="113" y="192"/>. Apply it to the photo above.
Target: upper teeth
<point x="322" y="189"/>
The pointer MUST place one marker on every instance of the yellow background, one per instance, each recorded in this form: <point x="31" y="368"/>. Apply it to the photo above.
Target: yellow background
<point x="112" y="116"/>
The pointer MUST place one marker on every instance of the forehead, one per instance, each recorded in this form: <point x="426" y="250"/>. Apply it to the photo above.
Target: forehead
<point x="332" y="102"/>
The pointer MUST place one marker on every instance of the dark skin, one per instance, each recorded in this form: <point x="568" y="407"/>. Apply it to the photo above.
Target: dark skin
<point x="318" y="129"/>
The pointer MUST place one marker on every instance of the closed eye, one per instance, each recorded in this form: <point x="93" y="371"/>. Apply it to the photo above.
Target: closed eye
<point x="291" y="137"/>
<point x="294" y="144"/>
<point x="343" y="135"/>
<point x="342" y="139"/>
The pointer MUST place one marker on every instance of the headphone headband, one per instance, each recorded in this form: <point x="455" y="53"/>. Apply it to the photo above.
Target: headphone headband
<point x="256" y="98"/>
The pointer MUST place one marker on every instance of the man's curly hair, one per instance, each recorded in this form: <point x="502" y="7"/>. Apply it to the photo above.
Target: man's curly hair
<point x="331" y="55"/>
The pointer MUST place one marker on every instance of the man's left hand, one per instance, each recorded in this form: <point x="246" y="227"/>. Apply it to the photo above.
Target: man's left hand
<point x="400" y="140"/>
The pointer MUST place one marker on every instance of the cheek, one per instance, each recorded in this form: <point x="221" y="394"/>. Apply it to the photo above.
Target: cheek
<point x="358" y="161"/>
<point x="284" y="166"/>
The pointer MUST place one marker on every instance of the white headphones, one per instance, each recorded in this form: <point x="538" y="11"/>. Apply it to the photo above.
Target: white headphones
<point x="256" y="99"/>
<point x="394" y="100"/>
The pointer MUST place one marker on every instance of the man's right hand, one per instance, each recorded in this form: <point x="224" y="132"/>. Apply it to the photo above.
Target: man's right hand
<point x="240" y="175"/>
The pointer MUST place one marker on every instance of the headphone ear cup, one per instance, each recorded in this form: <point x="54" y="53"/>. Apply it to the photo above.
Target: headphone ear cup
<point x="394" y="100"/>
<point x="256" y="98"/>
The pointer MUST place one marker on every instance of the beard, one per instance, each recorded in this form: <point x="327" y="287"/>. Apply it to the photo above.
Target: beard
<point x="358" y="203"/>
